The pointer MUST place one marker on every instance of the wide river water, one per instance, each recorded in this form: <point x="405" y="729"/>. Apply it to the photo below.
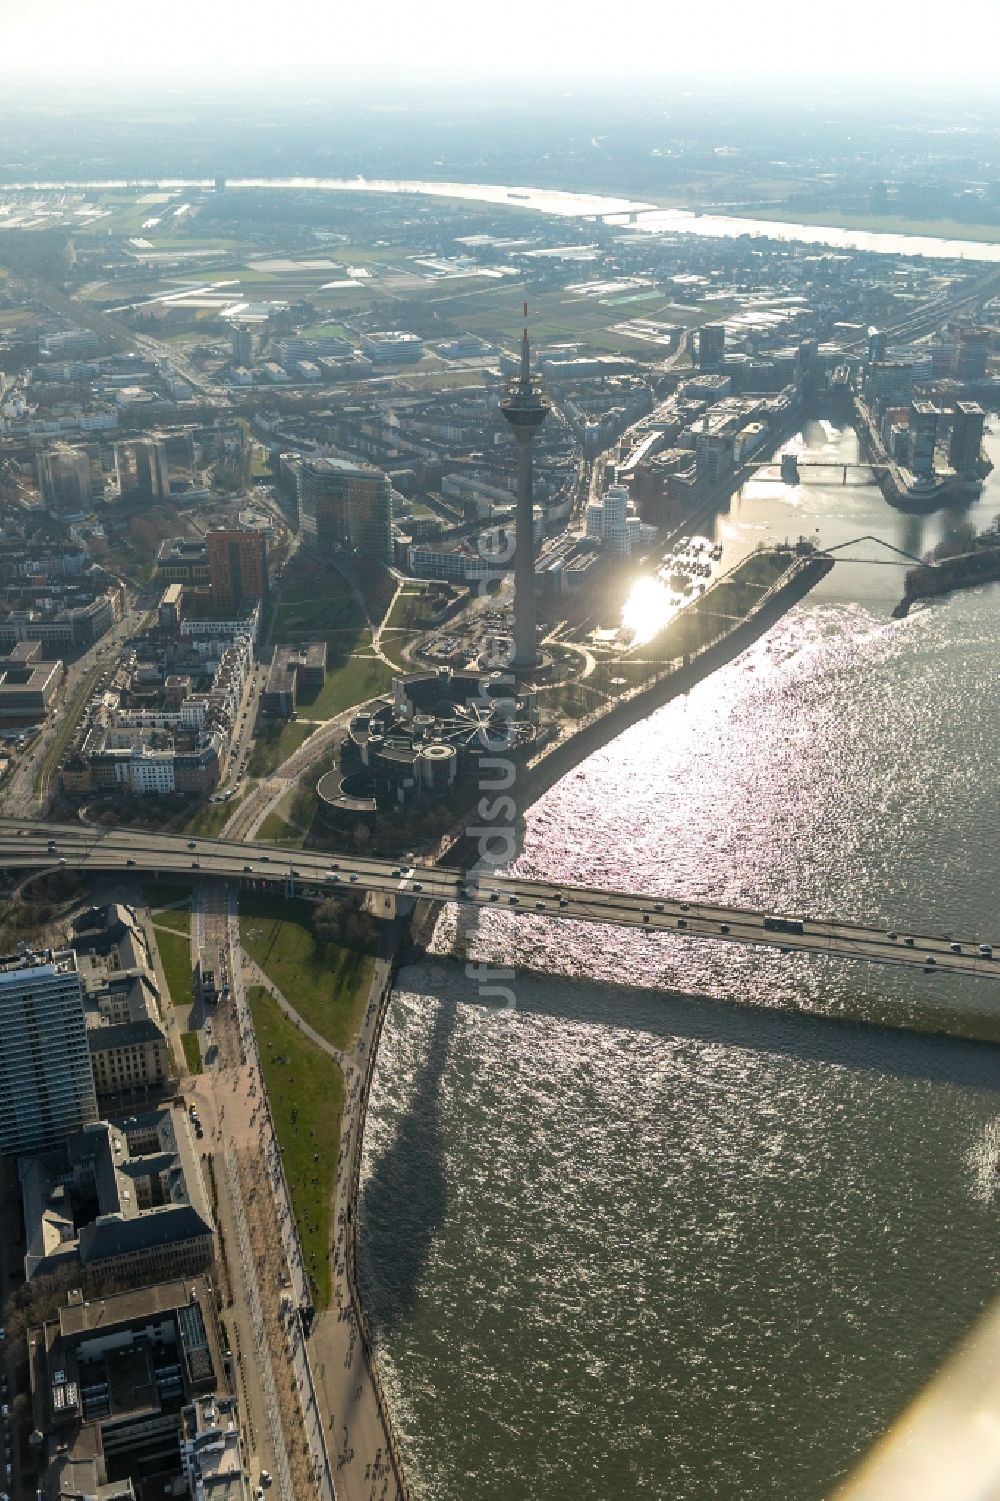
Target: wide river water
<point x="633" y="213"/>
<point x="684" y="1222"/>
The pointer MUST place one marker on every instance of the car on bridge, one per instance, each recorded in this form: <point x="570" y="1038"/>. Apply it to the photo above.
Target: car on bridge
<point x="784" y="924"/>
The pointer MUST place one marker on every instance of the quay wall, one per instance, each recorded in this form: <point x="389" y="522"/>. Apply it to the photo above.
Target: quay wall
<point x="382" y="986"/>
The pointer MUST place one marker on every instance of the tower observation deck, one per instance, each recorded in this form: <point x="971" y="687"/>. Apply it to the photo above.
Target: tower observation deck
<point x="525" y="407"/>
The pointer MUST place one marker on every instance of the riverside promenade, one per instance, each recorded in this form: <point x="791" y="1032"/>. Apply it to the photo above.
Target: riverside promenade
<point x="358" y="1438"/>
<point x="362" y="1440"/>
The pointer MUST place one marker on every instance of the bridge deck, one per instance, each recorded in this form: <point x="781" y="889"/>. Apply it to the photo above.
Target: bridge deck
<point x="26" y="846"/>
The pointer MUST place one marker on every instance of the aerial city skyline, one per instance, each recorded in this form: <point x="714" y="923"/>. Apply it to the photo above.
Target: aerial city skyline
<point x="498" y="980"/>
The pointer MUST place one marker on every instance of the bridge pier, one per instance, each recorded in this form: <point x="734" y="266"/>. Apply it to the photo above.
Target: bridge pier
<point x="387" y="906"/>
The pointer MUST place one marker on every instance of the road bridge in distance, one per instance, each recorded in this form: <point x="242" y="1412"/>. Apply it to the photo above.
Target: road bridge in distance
<point x="86" y="850"/>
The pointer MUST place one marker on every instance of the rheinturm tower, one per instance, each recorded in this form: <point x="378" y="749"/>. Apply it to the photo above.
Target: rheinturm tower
<point x="525" y="407"/>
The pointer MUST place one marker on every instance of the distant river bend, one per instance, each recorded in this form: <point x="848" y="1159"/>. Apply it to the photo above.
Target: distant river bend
<point x="643" y="216"/>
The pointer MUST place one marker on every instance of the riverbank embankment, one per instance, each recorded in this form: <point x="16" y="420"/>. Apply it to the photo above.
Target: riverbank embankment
<point x="359" y="1415"/>
<point x="562" y="756"/>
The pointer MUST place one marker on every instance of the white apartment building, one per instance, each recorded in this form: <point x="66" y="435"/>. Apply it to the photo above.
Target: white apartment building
<point x="46" y="1079"/>
<point x="610" y="522"/>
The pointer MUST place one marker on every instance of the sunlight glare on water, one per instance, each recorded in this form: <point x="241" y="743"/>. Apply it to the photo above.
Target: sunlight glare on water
<point x="634" y="1238"/>
<point x="648" y="608"/>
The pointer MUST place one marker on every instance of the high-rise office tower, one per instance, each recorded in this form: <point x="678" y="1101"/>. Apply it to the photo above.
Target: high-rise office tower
<point x="237" y="567"/>
<point x="46" y="1080"/>
<point x="64" y="478"/>
<point x="878" y="344"/>
<point x="711" y="346"/>
<point x="242" y="340"/>
<point x="966" y="436"/>
<point x="525" y="407"/>
<point x="889" y="383"/>
<point x="973" y="351"/>
<point x="152" y="469"/>
<point x="345" y="507"/>
<point x="808" y="369"/>
<point x="923" y="436"/>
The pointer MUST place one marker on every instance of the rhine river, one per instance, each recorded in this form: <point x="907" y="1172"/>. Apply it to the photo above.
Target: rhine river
<point x="642" y="216"/>
<point x="710" y="1239"/>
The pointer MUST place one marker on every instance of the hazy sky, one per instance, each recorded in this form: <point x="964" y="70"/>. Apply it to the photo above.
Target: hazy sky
<point x="903" y="39"/>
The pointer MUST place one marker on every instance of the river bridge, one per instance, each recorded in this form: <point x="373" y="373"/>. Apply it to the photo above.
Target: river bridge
<point x="791" y="467"/>
<point x="393" y="887"/>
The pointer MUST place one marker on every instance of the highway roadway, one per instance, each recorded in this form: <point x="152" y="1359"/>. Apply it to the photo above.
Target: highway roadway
<point x="27" y="845"/>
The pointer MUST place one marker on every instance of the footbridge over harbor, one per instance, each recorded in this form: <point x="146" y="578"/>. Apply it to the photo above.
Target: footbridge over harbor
<point x="791" y="468"/>
<point x="88" y="851"/>
<point x="899" y="557"/>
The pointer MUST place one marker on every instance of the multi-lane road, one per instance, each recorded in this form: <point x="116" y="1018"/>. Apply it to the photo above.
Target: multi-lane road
<point x="28" y="845"/>
<point x="19" y="790"/>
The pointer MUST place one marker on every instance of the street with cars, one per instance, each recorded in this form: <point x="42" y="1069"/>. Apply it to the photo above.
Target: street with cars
<point x="26" y="845"/>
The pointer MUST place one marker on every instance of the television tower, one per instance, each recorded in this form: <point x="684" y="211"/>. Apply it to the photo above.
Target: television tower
<point x="525" y="407"/>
